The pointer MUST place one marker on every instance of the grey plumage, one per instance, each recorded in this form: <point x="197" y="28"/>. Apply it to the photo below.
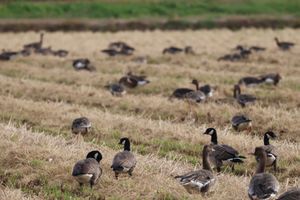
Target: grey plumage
<point x="241" y="123"/>
<point x="243" y="99"/>
<point x="81" y="125"/>
<point x="291" y="194"/>
<point x="116" y="89"/>
<point x="272" y="155"/>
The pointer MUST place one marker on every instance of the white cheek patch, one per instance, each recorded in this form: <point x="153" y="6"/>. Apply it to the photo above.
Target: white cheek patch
<point x="211" y="132"/>
<point x="96" y="155"/>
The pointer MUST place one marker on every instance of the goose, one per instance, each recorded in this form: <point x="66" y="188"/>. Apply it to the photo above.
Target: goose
<point x="45" y="51"/>
<point x="126" y="50"/>
<point x="8" y="55"/>
<point x="284" y="45"/>
<point x="272" y="78"/>
<point x="116" y="89"/>
<point x="60" y="53"/>
<point x="257" y="48"/>
<point x="189" y="50"/>
<point x="88" y="171"/>
<point x="262" y="185"/>
<point x="172" y="50"/>
<point x="250" y="81"/>
<point x="83" y="64"/>
<point x="110" y="52"/>
<point x="222" y="153"/>
<point x="35" y="45"/>
<point x="232" y="57"/>
<point x="199" y="181"/>
<point x="291" y="194"/>
<point x="243" y="51"/>
<point x="270" y="150"/>
<point x="206" y="89"/>
<point x="196" y="96"/>
<point x="243" y="99"/>
<point x="241" y="123"/>
<point x="81" y="126"/>
<point x="117" y="45"/>
<point x="132" y="81"/>
<point x="124" y="162"/>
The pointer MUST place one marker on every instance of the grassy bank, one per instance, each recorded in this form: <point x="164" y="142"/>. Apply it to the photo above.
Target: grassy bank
<point x="100" y="9"/>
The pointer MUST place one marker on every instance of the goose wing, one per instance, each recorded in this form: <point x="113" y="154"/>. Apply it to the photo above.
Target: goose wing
<point x="224" y="152"/>
<point x="292" y="194"/>
<point x="263" y="186"/>
<point x="199" y="178"/>
<point x="87" y="166"/>
<point x="239" y="119"/>
<point x="180" y="92"/>
<point x="123" y="161"/>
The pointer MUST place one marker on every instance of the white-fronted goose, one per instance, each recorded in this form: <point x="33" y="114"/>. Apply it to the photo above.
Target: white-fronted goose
<point x="272" y="78"/>
<point x="291" y="194"/>
<point x="222" y="153"/>
<point x="284" y="45"/>
<point x="116" y="89"/>
<point x="241" y="123"/>
<point x="243" y="99"/>
<point x="124" y="162"/>
<point x="88" y="171"/>
<point x="271" y="152"/>
<point x="172" y="50"/>
<point x="81" y="125"/>
<point x="36" y="45"/>
<point x="250" y="81"/>
<point x="132" y="81"/>
<point x="83" y="64"/>
<point x="199" y="181"/>
<point x="262" y="185"/>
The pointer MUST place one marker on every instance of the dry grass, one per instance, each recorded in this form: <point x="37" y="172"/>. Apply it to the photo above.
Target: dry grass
<point x="46" y="94"/>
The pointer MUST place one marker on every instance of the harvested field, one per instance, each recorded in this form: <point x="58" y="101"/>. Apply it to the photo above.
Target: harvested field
<point x="41" y="95"/>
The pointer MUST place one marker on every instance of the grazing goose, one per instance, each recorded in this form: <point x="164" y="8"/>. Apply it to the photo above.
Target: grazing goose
<point x="242" y="99"/>
<point x="284" y="45"/>
<point x="291" y="194"/>
<point x="241" y="123"/>
<point x="60" y="53"/>
<point x="250" y="81"/>
<point x="116" y="89"/>
<point x="81" y="126"/>
<point x="199" y="181"/>
<point x="270" y="150"/>
<point x="195" y="96"/>
<point x="206" y="89"/>
<point x="222" y="153"/>
<point x="262" y="185"/>
<point x="124" y="162"/>
<point x="243" y="51"/>
<point x="189" y="50"/>
<point x="8" y="55"/>
<point x="83" y="64"/>
<point x="172" y="50"/>
<point x="88" y="170"/>
<point x="272" y="78"/>
<point x="257" y="48"/>
<point x="132" y="81"/>
<point x="232" y="57"/>
<point x="36" y="45"/>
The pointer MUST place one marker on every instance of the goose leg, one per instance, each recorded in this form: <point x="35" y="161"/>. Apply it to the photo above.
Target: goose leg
<point x="116" y="175"/>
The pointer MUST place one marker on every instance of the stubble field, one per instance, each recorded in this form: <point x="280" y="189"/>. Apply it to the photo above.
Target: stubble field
<point x="41" y="95"/>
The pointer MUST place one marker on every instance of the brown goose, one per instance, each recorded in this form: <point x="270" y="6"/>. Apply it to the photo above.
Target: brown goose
<point x="222" y="153"/>
<point x="199" y="181"/>
<point x="206" y="89"/>
<point x="257" y="48"/>
<point x="189" y="50"/>
<point x="241" y="123"/>
<point x="172" y="50"/>
<point x="270" y="150"/>
<point x="81" y="126"/>
<point x="291" y="194"/>
<point x="60" y="53"/>
<point x="36" y="45"/>
<point x="272" y="78"/>
<point x="262" y="185"/>
<point x="88" y="170"/>
<point x="124" y="162"/>
<point x="132" y="81"/>
<point x="284" y="45"/>
<point x="250" y="81"/>
<point x="242" y="99"/>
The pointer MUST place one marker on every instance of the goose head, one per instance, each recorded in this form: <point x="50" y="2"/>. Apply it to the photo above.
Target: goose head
<point x="267" y="136"/>
<point x="213" y="133"/>
<point x="196" y="83"/>
<point x="95" y="154"/>
<point x="125" y="141"/>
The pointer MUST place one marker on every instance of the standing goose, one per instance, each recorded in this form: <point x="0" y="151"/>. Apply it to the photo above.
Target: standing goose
<point x="262" y="185"/>
<point x="272" y="78"/>
<point x="199" y="181"/>
<point x="124" y="162"/>
<point x="83" y="64"/>
<point x="250" y="81"/>
<point x="36" y="45"/>
<point x="284" y="45"/>
<point x="222" y="153"/>
<point x="270" y="150"/>
<point x="116" y="89"/>
<point x="88" y="171"/>
<point x="242" y="99"/>
<point x="81" y="126"/>
<point x="291" y="194"/>
<point x="241" y="123"/>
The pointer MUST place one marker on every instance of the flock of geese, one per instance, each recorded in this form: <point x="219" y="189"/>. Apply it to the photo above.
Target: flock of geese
<point x="214" y="155"/>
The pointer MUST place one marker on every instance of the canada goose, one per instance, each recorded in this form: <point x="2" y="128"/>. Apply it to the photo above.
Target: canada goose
<point x="35" y="45"/>
<point x="61" y="53"/>
<point x="270" y="150"/>
<point x="81" y="126"/>
<point x="242" y="99"/>
<point x="132" y="81"/>
<point x="272" y="78"/>
<point x="172" y="50"/>
<point x="88" y="170"/>
<point x="241" y="123"/>
<point x="222" y="153"/>
<point x="199" y="180"/>
<point x="116" y="89"/>
<point x="124" y="162"/>
<point x="262" y="185"/>
<point x="83" y="64"/>
<point x="284" y="45"/>
<point x="257" y="48"/>
<point x="250" y="81"/>
<point x="291" y="194"/>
